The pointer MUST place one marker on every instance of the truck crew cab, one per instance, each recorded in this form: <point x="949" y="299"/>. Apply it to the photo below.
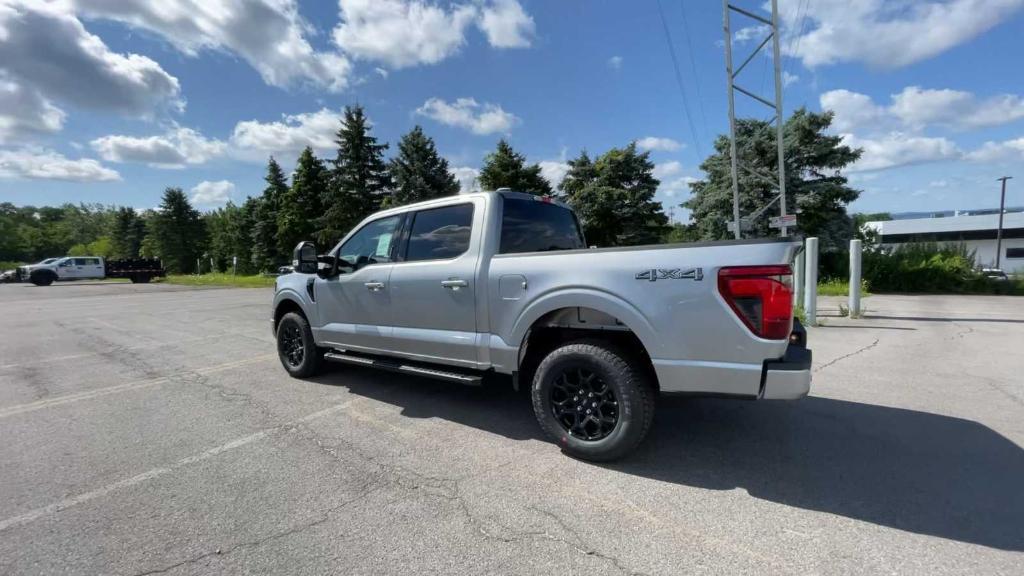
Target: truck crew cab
<point x="457" y="287"/>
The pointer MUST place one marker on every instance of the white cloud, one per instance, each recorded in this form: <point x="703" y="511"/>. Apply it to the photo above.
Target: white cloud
<point x="468" y="179"/>
<point x="916" y="108"/>
<point x="999" y="151"/>
<point x="883" y="33"/>
<point x="749" y="33"/>
<point x="553" y="171"/>
<point x="656" y="143"/>
<point x="467" y="113"/>
<point x="209" y="194"/>
<point x="268" y="34"/>
<point x="256" y="140"/>
<point x="25" y="112"/>
<point x="788" y="78"/>
<point x="899" y="149"/>
<point x="174" y="149"/>
<point x="48" y="51"/>
<point x="667" y="169"/>
<point x="506" y="24"/>
<point x="403" y="33"/>
<point x="42" y="164"/>
<point x="615" y="62"/>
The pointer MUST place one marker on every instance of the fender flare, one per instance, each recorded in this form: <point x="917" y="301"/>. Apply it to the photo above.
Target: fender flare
<point x="605" y="302"/>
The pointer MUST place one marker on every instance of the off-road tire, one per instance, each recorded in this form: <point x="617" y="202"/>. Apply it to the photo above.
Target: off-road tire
<point x="291" y="326"/>
<point x="621" y="373"/>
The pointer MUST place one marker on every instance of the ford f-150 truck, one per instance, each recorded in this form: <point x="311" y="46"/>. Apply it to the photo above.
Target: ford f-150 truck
<point x="502" y="282"/>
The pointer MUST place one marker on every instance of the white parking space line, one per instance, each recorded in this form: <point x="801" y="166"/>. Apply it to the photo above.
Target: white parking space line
<point x="90" y="394"/>
<point x="72" y="501"/>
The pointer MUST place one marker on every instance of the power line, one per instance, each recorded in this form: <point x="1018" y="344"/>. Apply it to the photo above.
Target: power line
<point x="693" y="67"/>
<point x="679" y="78"/>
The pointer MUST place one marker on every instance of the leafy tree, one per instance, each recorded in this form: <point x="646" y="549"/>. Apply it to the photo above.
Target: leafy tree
<point x="229" y="229"/>
<point x="265" y="252"/>
<point x="359" y="178"/>
<point x="177" y="233"/>
<point x="126" y="233"/>
<point x="814" y="183"/>
<point x="868" y="236"/>
<point x="506" y="168"/>
<point x="679" y="232"/>
<point x="419" y="172"/>
<point x="614" y="197"/>
<point x="301" y="204"/>
<point x="102" y="246"/>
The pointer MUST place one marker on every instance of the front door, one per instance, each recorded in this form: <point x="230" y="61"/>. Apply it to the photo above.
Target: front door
<point x="67" y="269"/>
<point x="433" y="287"/>
<point x="355" y="305"/>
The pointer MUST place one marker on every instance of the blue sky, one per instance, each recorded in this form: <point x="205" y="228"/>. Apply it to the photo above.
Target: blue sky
<point x="111" y="102"/>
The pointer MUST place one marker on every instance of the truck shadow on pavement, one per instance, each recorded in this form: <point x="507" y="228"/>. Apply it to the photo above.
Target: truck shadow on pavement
<point x="914" y="471"/>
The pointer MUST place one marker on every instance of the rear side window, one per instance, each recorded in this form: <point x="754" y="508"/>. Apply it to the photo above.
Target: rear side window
<point x="440" y="233"/>
<point x="536" y="226"/>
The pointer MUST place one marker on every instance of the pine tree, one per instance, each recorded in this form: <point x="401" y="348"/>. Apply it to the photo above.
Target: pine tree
<point x="419" y="172"/>
<point x="126" y="233"/>
<point x="506" y="168"/>
<point x="301" y="205"/>
<point x="178" y="234"/>
<point x="359" y="178"/>
<point x="614" y="198"/>
<point x="265" y="252"/>
<point x="229" y="230"/>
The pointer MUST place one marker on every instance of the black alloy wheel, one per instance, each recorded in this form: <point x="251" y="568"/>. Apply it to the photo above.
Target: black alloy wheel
<point x="584" y="404"/>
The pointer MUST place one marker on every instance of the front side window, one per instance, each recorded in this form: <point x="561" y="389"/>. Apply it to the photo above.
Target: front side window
<point x="67" y="263"/>
<point x="371" y="244"/>
<point x="537" y="226"/>
<point x="440" y="233"/>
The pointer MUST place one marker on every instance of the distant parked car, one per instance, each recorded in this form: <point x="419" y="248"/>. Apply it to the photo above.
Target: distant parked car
<point x="995" y="274"/>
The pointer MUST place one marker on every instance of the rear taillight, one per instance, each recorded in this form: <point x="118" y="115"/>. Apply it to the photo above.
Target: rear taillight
<point x="762" y="297"/>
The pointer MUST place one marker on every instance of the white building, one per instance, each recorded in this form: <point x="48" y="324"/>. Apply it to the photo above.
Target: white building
<point x="978" y="233"/>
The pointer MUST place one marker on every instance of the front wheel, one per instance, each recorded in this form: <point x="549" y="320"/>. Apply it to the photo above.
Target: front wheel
<point x="295" y="347"/>
<point x="592" y="401"/>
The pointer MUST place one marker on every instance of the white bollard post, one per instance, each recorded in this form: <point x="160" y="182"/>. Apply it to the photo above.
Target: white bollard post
<point x="811" y="282"/>
<point x="855" y="251"/>
<point x="798" y="279"/>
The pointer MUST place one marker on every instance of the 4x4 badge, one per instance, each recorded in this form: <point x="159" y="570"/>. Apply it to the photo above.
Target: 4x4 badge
<point x="671" y="274"/>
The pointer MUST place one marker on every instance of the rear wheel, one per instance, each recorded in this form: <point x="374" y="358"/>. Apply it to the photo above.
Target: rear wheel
<point x="140" y="279"/>
<point x="295" y="347"/>
<point x="592" y="400"/>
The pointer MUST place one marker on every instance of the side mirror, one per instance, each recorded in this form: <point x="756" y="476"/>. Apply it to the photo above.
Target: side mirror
<point x="304" y="258"/>
<point x="328" y="266"/>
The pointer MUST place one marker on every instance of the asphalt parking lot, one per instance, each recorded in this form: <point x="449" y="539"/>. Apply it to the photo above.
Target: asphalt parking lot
<point x="149" y="429"/>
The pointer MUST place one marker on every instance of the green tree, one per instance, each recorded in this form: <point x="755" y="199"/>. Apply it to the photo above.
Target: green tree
<point x="126" y="233"/>
<point x="359" y="178"/>
<point x="266" y="254"/>
<point x="177" y="232"/>
<point x="506" y="168"/>
<point x="814" y="183"/>
<point x="229" y="230"/>
<point x="419" y="172"/>
<point x="301" y="205"/>
<point x="614" y="197"/>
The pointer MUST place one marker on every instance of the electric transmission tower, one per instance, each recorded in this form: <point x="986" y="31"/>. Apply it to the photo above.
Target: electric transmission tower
<point x="777" y="180"/>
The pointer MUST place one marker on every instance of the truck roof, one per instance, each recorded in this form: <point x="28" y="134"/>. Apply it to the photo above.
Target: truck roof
<point x="446" y="199"/>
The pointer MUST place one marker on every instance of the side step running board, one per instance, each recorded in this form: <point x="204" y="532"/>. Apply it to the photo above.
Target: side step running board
<point x="398" y="366"/>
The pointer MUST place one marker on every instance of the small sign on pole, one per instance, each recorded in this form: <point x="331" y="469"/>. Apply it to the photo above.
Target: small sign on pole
<point x="787" y="221"/>
<point x="234" y="265"/>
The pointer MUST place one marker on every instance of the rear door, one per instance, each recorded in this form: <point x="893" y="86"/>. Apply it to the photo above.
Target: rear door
<point x="433" y="286"/>
<point x="91" y="268"/>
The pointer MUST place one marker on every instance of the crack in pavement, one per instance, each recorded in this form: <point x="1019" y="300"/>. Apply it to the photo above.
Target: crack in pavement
<point x="845" y="356"/>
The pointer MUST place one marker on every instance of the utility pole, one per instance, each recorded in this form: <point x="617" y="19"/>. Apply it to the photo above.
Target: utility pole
<point x="778" y="180"/>
<point x="999" y="231"/>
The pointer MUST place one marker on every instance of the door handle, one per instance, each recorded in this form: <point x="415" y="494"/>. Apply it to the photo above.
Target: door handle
<point x="454" y="284"/>
<point x="374" y="286"/>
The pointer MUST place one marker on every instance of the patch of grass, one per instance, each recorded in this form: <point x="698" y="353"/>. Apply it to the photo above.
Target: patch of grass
<point x="8" y="265"/>
<point x="837" y="287"/>
<point x="220" y="279"/>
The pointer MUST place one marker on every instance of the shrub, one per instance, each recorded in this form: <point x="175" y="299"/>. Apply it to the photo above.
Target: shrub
<point x="929" y="267"/>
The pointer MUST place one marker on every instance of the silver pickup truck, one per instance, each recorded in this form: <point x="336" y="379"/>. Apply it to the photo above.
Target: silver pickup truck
<point x="502" y="282"/>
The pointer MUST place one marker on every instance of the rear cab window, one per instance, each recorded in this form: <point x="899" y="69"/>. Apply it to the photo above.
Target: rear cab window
<point x="440" y="233"/>
<point x="529" y="225"/>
